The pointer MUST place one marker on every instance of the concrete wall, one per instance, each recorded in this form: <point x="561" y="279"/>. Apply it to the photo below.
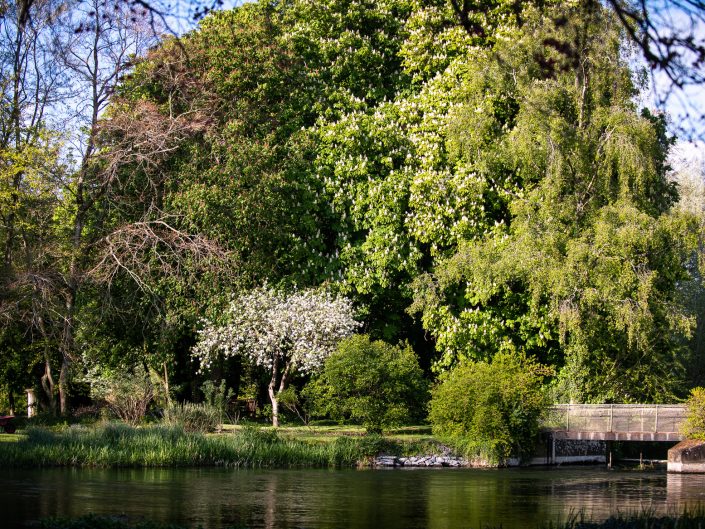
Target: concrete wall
<point x="687" y="457"/>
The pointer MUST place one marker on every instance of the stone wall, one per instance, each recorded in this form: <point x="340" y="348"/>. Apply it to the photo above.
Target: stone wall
<point x="548" y="452"/>
<point x="551" y="451"/>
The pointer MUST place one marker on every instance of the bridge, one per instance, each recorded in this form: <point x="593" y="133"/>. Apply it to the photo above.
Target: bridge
<point x="616" y="422"/>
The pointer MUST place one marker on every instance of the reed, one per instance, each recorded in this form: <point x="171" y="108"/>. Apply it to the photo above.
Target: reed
<point x="687" y="519"/>
<point x="119" y="445"/>
<point x="645" y="520"/>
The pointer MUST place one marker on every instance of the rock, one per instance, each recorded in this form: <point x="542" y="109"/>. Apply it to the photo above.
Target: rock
<point x="435" y="460"/>
<point x="386" y="461"/>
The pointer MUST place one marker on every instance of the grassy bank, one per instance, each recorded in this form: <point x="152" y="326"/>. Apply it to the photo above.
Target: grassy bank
<point x="694" y="520"/>
<point x="118" y="445"/>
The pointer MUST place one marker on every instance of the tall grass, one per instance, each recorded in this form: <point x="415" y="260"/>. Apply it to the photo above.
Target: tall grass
<point x="488" y="452"/>
<point x="694" y="519"/>
<point x="119" y="445"/>
<point x="193" y="417"/>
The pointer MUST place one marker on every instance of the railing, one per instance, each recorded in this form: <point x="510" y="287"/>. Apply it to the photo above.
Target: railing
<point x="627" y="418"/>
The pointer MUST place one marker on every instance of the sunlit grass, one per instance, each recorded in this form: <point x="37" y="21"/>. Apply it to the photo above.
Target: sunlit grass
<point x="408" y="440"/>
<point x="329" y="433"/>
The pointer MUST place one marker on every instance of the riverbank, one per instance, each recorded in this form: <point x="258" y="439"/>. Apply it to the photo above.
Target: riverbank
<point x="118" y="445"/>
<point x="108" y="445"/>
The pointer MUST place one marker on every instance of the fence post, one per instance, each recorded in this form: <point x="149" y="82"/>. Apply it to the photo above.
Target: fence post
<point x="611" y="413"/>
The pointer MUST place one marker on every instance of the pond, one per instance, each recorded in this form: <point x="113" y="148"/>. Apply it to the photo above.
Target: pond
<point x="390" y="499"/>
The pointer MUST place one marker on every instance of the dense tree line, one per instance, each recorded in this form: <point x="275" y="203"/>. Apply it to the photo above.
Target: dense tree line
<point x="476" y="182"/>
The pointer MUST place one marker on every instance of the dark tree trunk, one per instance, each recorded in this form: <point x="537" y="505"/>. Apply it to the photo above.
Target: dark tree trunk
<point x="11" y="400"/>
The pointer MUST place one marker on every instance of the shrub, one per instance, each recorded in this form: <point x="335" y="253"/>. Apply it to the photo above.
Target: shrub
<point x="291" y="401"/>
<point x="218" y="396"/>
<point x="193" y="417"/>
<point x="490" y="410"/>
<point x="694" y="425"/>
<point x="371" y="382"/>
<point x="126" y="395"/>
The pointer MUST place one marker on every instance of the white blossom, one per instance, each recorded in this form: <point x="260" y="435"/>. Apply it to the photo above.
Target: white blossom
<point x="298" y="330"/>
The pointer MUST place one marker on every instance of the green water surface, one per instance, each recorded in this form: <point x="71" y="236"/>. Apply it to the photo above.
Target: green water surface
<point x="318" y="499"/>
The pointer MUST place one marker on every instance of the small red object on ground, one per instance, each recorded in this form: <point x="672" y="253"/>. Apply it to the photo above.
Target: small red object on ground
<point x="6" y="423"/>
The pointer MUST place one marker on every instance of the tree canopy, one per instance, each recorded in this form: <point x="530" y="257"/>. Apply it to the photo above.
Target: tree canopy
<point x="475" y="181"/>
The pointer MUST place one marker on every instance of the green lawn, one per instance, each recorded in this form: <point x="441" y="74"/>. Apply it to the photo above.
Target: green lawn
<point x="408" y="440"/>
<point x="339" y="429"/>
<point x="324" y="434"/>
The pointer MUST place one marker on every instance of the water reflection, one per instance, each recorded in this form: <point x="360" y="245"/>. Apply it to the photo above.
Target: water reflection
<point x="437" y="499"/>
<point x="685" y="491"/>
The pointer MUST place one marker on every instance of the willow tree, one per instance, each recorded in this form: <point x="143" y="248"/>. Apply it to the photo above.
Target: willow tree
<point x="582" y="266"/>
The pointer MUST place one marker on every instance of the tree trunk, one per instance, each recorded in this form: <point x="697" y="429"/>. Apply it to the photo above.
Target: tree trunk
<point x="48" y="383"/>
<point x="64" y="386"/>
<point x="11" y="400"/>
<point x="274" y="392"/>
<point x="47" y="378"/>
<point x="166" y="385"/>
<point x="67" y="344"/>
<point x="271" y="390"/>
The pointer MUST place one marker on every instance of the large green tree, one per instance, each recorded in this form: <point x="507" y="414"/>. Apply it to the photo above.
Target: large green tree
<point x="583" y="264"/>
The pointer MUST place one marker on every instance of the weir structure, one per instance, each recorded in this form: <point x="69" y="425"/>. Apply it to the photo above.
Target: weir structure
<point x="624" y="422"/>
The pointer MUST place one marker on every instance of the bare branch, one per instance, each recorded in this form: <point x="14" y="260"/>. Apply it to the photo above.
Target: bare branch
<point x="154" y="247"/>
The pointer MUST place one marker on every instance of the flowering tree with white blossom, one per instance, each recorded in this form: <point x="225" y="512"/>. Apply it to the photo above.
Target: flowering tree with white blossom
<point x="284" y="333"/>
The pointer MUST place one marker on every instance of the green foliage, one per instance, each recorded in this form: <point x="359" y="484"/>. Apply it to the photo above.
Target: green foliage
<point x="199" y="417"/>
<point x="351" y="49"/>
<point x="371" y="382"/>
<point x="498" y="180"/>
<point x="291" y="400"/>
<point x="579" y="259"/>
<point x="218" y="396"/>
<point x="127" y="395"/>
<point x="490" y="410"/>
<point x="694" y="425"/>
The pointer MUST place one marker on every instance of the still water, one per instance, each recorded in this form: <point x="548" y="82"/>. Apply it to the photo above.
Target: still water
<point x="327" y="499"/>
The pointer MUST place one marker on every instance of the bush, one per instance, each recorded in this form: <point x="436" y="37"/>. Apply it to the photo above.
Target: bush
<point x="694" y="425"/>
<point x="490" y="410"/>
<point x="290" y="400"/>
<point x="371" y="382"/>
<point x="126" y="395"/>
<point x="193" y="417"/>
<point x="218" y="396"/>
